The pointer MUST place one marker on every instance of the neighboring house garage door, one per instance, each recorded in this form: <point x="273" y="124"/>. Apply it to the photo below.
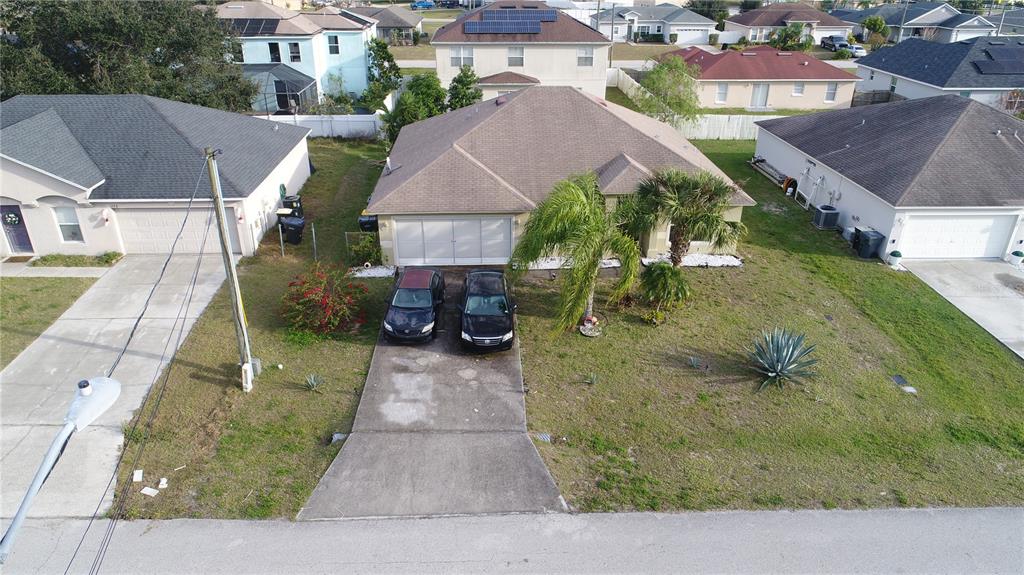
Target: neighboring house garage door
<point x="463" y="240"/>
<point x="691" y="35"/>
<point x="152" y="230"/>
<point x="957" y="236"/>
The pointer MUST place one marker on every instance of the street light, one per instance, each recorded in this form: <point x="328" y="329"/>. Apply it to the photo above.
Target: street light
<point x="93" y="397"/>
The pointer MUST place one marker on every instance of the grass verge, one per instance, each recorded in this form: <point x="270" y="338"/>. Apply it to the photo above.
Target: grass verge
<point x="260" y="455"/>
<point x="29" y="305"/>
<point x="617" y="96"/>
<point x="65" y="261"/>
<point x="421" y="52"/>
<point x="657" y="433"/>
<point x="624" y="51"/>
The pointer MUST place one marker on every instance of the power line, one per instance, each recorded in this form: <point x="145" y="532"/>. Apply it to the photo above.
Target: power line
<point x="131" y="335"/>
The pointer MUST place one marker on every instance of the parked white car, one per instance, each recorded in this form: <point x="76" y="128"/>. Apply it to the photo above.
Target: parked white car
<point x="856" y="50"/>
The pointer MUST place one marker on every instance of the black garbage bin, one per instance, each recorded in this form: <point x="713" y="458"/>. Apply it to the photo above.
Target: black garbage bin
<point x="294" y="203"/>
<point x="868" y="243"/>
<point x="292" y="228"/>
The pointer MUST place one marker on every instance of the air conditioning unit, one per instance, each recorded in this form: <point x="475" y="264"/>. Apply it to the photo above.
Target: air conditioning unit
<point x="826" y="217"/>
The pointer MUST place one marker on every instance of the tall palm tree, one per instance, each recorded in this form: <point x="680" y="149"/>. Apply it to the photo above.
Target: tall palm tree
<point x="694" y="204"/>
<point x="575" y="223"/>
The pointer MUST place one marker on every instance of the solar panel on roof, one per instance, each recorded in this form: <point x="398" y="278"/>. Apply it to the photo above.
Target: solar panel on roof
<point x="502" y="27"/>
<point x="1004" y="53"/>
<point x="254" y="26"/>
<point x="505" y="14"/>
<point x="990" y="67"/>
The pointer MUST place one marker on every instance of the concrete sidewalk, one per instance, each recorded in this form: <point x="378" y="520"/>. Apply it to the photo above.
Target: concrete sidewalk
<point x="991" y="292"/>
<point x="438" y="432"/>
<point x="37" y="387"/>
<point x="880" y="541"/>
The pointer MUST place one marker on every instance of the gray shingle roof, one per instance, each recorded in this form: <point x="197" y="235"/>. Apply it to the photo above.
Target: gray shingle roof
<point x="389" y="16"/>
<point x="151" y="148"/>
<point x="45" y="143"/>
<point x="930" y="152"/>
<point x="948" y="65"/>
<point x="662" y="12"/>
<point x="504" y="155"/>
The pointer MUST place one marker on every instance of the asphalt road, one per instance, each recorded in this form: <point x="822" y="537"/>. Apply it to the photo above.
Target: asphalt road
<point x="883" y="541"/>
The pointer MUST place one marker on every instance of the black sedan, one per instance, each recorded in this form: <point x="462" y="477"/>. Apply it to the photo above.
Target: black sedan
<point x="415" y="305"/>
<point x="488" y="315"/>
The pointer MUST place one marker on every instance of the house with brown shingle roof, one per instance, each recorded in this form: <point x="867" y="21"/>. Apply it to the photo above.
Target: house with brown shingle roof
<point x="535" y="43"/>
<point x="764" y="78"/>
<point x="459" y="187"/>
<point x="758" y="25"/>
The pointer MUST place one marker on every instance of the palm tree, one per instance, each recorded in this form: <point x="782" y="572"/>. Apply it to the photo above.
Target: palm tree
<point x="694" y="204"/>
<point x="575" y="223"/>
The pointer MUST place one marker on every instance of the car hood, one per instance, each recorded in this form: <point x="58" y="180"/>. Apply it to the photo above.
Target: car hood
<point x="486" y="325"/>
<point x="409" y="318"/>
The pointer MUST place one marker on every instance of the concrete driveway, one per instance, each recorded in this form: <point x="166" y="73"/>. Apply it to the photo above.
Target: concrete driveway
<point x="438" y="432"/>
<point x="37" y="387"/>
<point x="991" y="292"/>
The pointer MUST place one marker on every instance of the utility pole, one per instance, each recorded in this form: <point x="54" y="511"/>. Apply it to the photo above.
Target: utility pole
<point x="903" y="20"/>
<point x="250" y="367"/>
<point x="93" y="397"/>
<point x="1002" y="17"/>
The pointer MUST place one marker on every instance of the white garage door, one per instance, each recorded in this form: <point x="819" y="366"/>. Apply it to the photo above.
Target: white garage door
<point x="464" y="240"/>
<point x="152" y="230"/>
<point x="956" y="236"/>
<point x="691" y="35"/>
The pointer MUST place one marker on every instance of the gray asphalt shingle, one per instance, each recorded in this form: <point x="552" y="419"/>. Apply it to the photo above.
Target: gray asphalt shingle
<point x="929" y="152"/>
<point x="151" y="148"/>
<point x="948" y="65"/>
<point x="45" y="143"/>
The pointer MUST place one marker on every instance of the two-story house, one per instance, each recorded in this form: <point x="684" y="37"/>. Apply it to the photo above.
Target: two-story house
<point x="297" y="56"/>
<point x="987" y="69"/>
<point x="673" y="24"/>
<point x="763" y="78"/>
<point x="758" y="25"/>
<point x="511" y="44"/>
<point x="936" y="21"/>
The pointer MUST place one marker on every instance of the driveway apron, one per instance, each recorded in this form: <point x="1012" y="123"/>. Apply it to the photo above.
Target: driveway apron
<point x="438" y="431"/>
<point x="38" y="386"/>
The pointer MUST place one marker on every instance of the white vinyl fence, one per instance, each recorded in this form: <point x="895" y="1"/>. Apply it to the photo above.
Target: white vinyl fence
<point x="336" y="126"/>
<point x="707" y="127"/>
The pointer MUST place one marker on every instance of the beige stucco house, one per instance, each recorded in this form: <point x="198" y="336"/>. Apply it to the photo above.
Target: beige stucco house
<point x="763" y="78"/>
<point x="88" y="174"/>
<point x="537" y="45"/>
<point x="759" y="25"/>
<point x="459" y="187"/>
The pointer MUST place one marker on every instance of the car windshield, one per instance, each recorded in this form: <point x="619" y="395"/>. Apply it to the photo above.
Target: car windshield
<point x="486" y="305"/>
<point x="412" y="298"/>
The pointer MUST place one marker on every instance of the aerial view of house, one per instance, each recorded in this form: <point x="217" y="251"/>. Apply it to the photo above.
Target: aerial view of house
<point x="539" y="45"/>
<point x="893" y="167"/>
<point x="763" y="78"/>
<point x="296" y="57"/>
<point x="987" y="69"/>
<point x="392" y="21"/>
<point x="456" y="195"/>
<point x="671" y="23"/>
<point x="758" y="25"/>
<point x="129" y="165"/>
<point x="1009" y="23"/>
<point x="935" y="21"/>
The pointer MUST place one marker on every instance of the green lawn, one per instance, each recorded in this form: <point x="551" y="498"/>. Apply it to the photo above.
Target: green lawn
<point x="421" y="52"/>
<point x="415" y="71"/>
<point x="617" y="96"/>
<point x="61" y="261"/>
<point x="655" y="433"/>
<point x="431" y="27"/>
<point x="260" y="454"/>
<point x="29" y="305"/>
<point x="439" y="13"/>
<point x="624" y="51"/>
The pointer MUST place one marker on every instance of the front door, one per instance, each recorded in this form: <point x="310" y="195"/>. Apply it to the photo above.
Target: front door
<point x="759" y="95"/>
<point x="15" y="230"/>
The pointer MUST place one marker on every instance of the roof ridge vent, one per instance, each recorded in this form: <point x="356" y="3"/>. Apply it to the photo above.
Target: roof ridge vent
<point x="785" y="53"/>
<point x="500" y="100"/>
<point x="748" y="53"/>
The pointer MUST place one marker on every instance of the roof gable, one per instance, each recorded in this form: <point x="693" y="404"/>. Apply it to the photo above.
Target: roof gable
<point x="760" y="63"/>
<point x="44" y="142"/>
<point x="151" y="148"/>
<point x="504" y="155"/>
<point x="929" y="152"/>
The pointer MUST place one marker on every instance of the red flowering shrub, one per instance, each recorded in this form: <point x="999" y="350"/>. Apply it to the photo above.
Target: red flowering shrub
<point x="323" y="302"/>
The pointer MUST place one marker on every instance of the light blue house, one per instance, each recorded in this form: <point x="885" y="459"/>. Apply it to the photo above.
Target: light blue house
<point x="296" y="57"/>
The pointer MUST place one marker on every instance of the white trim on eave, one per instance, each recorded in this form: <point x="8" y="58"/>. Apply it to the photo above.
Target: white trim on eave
<point x="86" y="189"/>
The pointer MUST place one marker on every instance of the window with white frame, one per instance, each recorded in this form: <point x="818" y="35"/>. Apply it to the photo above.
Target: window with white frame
<point x="585" y="56"/>
<point x="333" y="47"/>
<point x="294" y="54"/>
<point x="461" y="56"/>
<point x="515" y="56"/>
<point x="67" y="222"/>
<point x="723" y="93"/>
<point x="798" y="88"/>
<point x="657" y="29"/>
<point x="644" y="29"/>
<point x="830" y="91"/>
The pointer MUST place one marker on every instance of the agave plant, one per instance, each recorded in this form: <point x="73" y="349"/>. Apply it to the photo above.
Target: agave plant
<point x="313" y="383"/>
<point x="781" y="356"/>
